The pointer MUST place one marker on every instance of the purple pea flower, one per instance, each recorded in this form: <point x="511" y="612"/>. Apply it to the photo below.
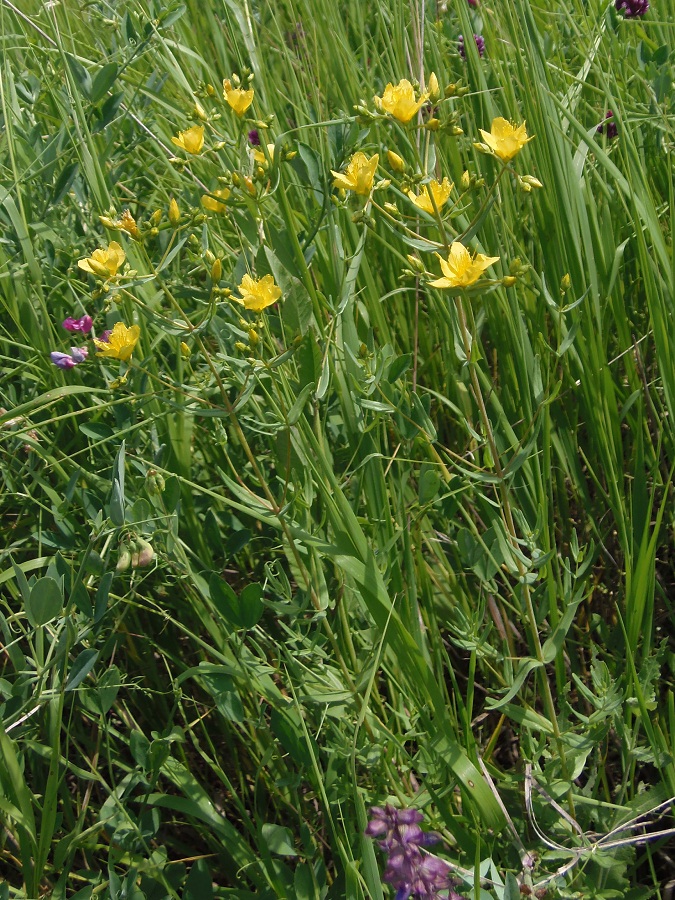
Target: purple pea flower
<point x="480" y="45"/>
<point x="68" y="360"/>
<point x="254" y="137"/>
<point x="82" y="324"/>
<point x="608" y="126"/>
<point x="411" y="870"/>
<point x="105" y="337"/>
<point x="473" y="3"/>
<point x="632" y="9"/>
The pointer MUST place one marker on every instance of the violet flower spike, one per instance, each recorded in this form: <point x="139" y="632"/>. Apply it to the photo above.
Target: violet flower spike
<point x="608" y="126"/>
<point x="254" y="137"/>
<point x="480" y="45"/>
<point x="632" y="9"/>
<point x="411" y="870"/>
<point x="83" y="324"/>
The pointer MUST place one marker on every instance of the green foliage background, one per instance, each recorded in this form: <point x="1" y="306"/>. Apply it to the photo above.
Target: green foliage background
<point x="351" y="600"/>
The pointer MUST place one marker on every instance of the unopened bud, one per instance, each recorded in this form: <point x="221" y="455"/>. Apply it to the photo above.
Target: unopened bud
<point x="250" y="187"/>
<point x="455" y="131"/>
<point x="242" y="348"/>
<point x="236" y="179"/>
<point x="532" y="181"/>
<point x="123" y="560"/>
<point x="392" y="209"/>
<point x="481" y="147"/>
<point x="463" y="90"/>
<point x="526" y="188"/>
<point x="200" y="112"/>
<point x="383" y="184"/>
<point x="434" y="89"/>
<point x="210" y="90"/>
<point x="210" y="257"/>
<point x="465" y="180"/>
<point x="450" y="91"/>
<point x="416" y="263"/>
<point x="515" y="266"/>
<point x="184" y="350"/>
<point x="156" y="217"/>
<point x="509" y="280"/>
<point x="174" y="213"/>
<point x="433" y="124"/>
<point x="565" y="283"/>
<point x="395" y="161"/>
<point x="216" y="271"/>
<point x="253" y="337"/>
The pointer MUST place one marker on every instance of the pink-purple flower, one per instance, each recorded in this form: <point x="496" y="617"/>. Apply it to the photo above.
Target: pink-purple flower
<point x="410" y="869"/>
<point x="480" y="45"/>
<point x="83" y="324"/>
<point x="632" y="9"/>
<point x="68" y="360"/>
<point x="254" y="137"/>
<point x="608" y="126"/>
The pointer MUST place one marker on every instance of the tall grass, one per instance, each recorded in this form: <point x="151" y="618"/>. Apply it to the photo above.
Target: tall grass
<point x="409" y="547"/>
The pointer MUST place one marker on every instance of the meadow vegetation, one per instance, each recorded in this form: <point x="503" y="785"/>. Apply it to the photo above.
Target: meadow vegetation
<point x="337" y="449"/>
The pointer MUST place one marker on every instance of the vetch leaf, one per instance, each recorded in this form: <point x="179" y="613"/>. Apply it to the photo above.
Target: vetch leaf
<point x="45" y="601"/>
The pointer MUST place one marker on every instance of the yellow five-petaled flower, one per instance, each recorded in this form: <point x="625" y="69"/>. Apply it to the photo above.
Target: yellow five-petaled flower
<point x="214" y="200"/>
<point x="104" y="263"/>
<point x="399" y="101"/>
<point x="237" y="98"/>
<point x="258" y="293"/>
<point x="191" y="140"/>
<point x="359" y="174"/>
<point x="440" y="192"/>
<point x="461" y="269"/>
<point x="505" y="139"/>
<point x="119" y="343"/>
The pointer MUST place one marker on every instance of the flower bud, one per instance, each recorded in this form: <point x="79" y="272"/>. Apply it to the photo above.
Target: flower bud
<point x="565" y="283"/>
<point x="184" y="350"/>
<point x="392" y="209"/>
<point x="216" y="271"/>
<point x="210" y="90"/>
<point x="253" y="337"/>
<point x="200" y="112"/>
<point x="396" y="162"/>
<point x="433" y="124"/>
<point x="154" y="482"/>
<point x="456" y="131"/>
<point x="156" y="217"/>
<point x="241" y="347"/>
<point x="526" y="188"/>
<point x="209" y="256"/>
<point x="450" y="91"/>
<point x="465" y="180"/>
<point x="515" y="266"/>
<point x="174" y="213"/>
<point x="416" y="263"/>
<point x="532" y="181"/>
<point x="383" y="184"/>
<point x="123" y="560"/>
<point x="434" y="89"/>
<point x="509" y="280"/>
<point x="250" y="187"/>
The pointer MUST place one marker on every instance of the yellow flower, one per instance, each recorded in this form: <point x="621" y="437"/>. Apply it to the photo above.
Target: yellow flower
<point x="104" y="263"/>
<point x="400" y="101"/>
<point x="461" y="269"/>
<point x="440" y="191"/>
<point x="237" y="98"/>
<point x="258" y="293"/>
<point x="214" y="200"/>
<point x="358" y="176"/>
<point x="191" y="140"/>
<point x="260" y="157"/>
<point x="120" y="342"/>
<point x="395" y="161"/>
<point x="505" y="139"/>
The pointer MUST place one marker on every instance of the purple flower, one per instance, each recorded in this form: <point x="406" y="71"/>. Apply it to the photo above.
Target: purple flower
<point x="105" y="337"/>
<point x="608" y="127"/>
<point x="473" y="3"/>
<point x="410" y="869"/>
<point x="83" y="324"/>
<point x="632" y="9"/>
<point x="254" y="137"/>
<point x="480" y="45"/>
<point x="68" y="360"/>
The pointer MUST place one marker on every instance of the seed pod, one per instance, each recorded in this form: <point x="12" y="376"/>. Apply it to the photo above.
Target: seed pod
<point x="123" y="560"/>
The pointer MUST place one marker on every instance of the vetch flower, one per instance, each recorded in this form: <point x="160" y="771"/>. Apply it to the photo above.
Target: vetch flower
<point x="480" y="45"/>
<point x="440" y="192"/>
<point x="632" y="9"/>
<point x="68" y="360"/>
<point x="119" y="342"/>
<point x="214" y="201"/>
<point x="191" y="140"/>
<point x="254" y="137"/>
<point x="258" y="293"/>
<point x="410" y="869"/>
<point x="359" y="174"/>
<point x="237" y="98"/>
<point x="461" y="269"/>
<point x="83" y="324"/>
<point x="504" y="139"/>
<point x="104" y="263"/>
<point x="399" y="101"/>
<point x="608" y="127"/>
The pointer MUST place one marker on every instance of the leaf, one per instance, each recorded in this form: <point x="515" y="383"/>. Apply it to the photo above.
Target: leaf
<point x="279" y="840"/>
<point x="199" y="885"/>
<point x="82" y="666"/>
<point x="296" y="410"/>
<point x="103" y="81"/>
<point x="399" y="367"/>
<point x="117" y="498"/>
<point x="80" y="75"/>
<point x="45" y="601"/>
<point x="243" y="611"/>
<point x="101" y="602"/>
